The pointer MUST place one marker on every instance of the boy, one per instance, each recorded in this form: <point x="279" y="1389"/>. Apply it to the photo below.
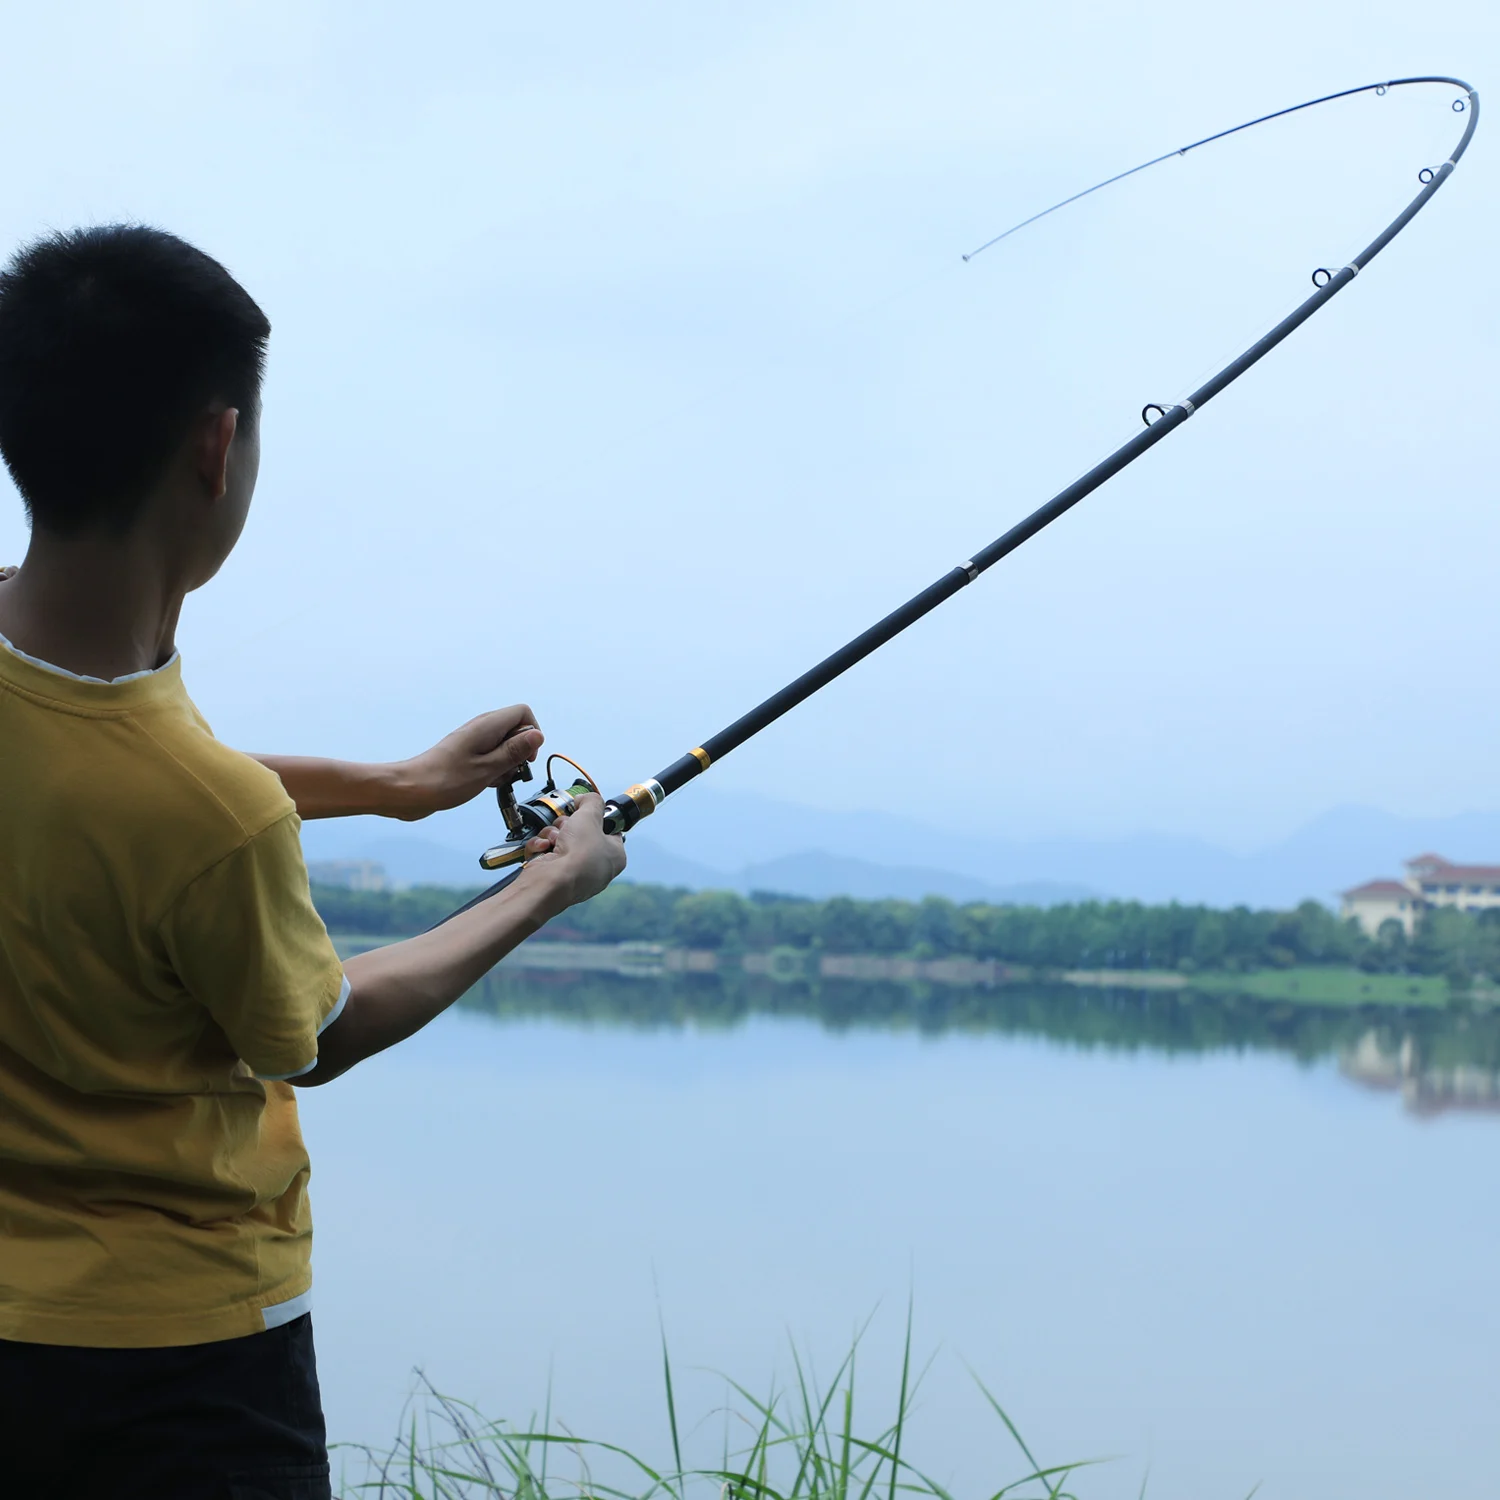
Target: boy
<point x="164" y="979"/>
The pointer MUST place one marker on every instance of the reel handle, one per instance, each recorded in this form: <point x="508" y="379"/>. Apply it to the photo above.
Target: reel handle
<point x="505" y="795"/>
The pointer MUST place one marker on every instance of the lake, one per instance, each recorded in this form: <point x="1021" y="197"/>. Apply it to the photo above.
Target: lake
<point x="1225" y="1244"/>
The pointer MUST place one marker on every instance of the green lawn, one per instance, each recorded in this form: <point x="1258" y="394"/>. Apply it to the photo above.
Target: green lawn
<point x="346" y="945"/>
<point x="1329" y="986"/>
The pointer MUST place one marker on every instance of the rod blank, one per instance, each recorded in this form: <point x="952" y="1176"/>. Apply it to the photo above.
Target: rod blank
<point x="623" y="813"/>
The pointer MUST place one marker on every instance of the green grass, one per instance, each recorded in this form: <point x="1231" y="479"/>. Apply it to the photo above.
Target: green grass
<point x="801" y="1442"/>
<point x="1328" y="985"/>
<point x="347" y="944"/>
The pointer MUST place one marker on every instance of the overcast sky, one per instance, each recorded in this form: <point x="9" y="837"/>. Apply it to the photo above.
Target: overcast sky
<point x="624" y="362"/>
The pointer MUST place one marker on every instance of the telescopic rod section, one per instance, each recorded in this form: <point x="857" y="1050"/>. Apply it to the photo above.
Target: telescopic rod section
<point x="627" y="809"/>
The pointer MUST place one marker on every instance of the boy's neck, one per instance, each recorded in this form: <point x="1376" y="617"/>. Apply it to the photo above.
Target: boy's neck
<point x="94" y="604"/>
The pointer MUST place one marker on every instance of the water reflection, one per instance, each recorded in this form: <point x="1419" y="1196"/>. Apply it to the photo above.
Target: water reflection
<point x="1436" y="1059"/>
<point x="1454" y="1070"/>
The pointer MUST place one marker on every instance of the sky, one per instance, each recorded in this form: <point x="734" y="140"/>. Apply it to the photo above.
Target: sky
<point x="624" y="363"/>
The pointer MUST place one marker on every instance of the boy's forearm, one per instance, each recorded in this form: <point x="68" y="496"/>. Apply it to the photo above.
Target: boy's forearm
<point x="396" y="990"/>
<point x="343" y="788"/>
<point x="481" y="754"/>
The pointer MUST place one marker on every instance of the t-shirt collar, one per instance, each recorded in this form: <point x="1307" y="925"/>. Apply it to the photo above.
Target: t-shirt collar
<point x="47" y="666"/>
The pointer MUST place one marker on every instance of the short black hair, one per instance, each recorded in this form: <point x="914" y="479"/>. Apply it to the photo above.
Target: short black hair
<point x="112" y="339"/>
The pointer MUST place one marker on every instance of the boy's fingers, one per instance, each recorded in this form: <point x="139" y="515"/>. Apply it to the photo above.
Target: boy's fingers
<point x="493" y="731"/>
<point x="519" y="745"/>
<point x="520" y="749"/>
<point x="593" y="804"/>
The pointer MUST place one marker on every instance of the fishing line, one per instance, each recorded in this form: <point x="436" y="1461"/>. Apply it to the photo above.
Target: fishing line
<point x="1159" y="421"/>
<point x="1220" y="135"/>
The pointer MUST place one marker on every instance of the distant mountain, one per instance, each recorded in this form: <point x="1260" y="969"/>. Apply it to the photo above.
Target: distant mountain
<point x="412" y="860"/>
<point x="650" y="864"/>
<point x="1339" y="849"/>
<point x="409" y="858"/>
<point x="708" y="838"/>
<point x="813" y="873"/>
<point x="416" y="858"/>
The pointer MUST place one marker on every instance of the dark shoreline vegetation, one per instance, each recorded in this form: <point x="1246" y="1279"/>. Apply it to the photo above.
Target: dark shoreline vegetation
<point x="1111" y="936"/>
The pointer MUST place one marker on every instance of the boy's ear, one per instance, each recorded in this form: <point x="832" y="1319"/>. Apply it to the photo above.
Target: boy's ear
<point x="215" y="437"/>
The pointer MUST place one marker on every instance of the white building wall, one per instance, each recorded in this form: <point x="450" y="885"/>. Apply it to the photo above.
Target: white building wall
<point x="1467" y="896"/>
<point x="1371" y="911"/>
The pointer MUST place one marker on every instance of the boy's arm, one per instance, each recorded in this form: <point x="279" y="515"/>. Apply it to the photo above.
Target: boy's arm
<point x="396" y="990"/>
<point x="482" y="753"/>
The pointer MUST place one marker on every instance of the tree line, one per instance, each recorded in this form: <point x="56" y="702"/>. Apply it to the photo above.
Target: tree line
<point x="1081" y="935"/>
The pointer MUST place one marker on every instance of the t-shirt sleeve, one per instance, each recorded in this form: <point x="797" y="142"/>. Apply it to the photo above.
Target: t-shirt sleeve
<point x="246" y="941"/>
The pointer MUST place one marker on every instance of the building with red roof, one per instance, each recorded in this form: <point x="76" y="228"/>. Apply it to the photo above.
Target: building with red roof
<point x="1431" y="881"/>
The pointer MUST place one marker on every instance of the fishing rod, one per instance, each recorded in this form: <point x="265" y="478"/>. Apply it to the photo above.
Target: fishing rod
<point x="525" y="820"/>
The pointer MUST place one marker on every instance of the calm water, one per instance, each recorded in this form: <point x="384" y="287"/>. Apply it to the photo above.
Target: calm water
<point x="1194" y="1242"/>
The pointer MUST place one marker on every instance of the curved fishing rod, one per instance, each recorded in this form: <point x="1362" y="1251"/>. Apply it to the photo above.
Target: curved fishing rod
<point x="525" y="820"/>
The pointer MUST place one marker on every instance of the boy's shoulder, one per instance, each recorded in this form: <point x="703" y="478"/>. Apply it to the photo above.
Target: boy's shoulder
<point x="195" y="778"/>
<point x="246" y="795"/>
<point x="197" y="801"/>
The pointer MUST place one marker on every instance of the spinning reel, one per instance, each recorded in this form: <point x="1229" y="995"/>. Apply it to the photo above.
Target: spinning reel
<point x="525" y="820"/>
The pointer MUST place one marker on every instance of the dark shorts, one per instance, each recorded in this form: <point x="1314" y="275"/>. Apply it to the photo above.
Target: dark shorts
<point x="235" y="1420"/>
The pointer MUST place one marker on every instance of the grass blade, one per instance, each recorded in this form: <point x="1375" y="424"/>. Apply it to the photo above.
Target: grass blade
<point x="901" y="1407"/>
<point x="666" y="1370"/>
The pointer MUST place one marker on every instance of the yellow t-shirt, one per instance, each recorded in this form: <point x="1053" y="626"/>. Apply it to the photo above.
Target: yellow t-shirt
<point x="160" y="958"/>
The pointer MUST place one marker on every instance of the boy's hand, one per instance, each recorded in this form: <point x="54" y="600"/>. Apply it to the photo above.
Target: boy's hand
<point x="480" y="755"/>
<point x="579" y="858"/>
<point x="398" y="989"/>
